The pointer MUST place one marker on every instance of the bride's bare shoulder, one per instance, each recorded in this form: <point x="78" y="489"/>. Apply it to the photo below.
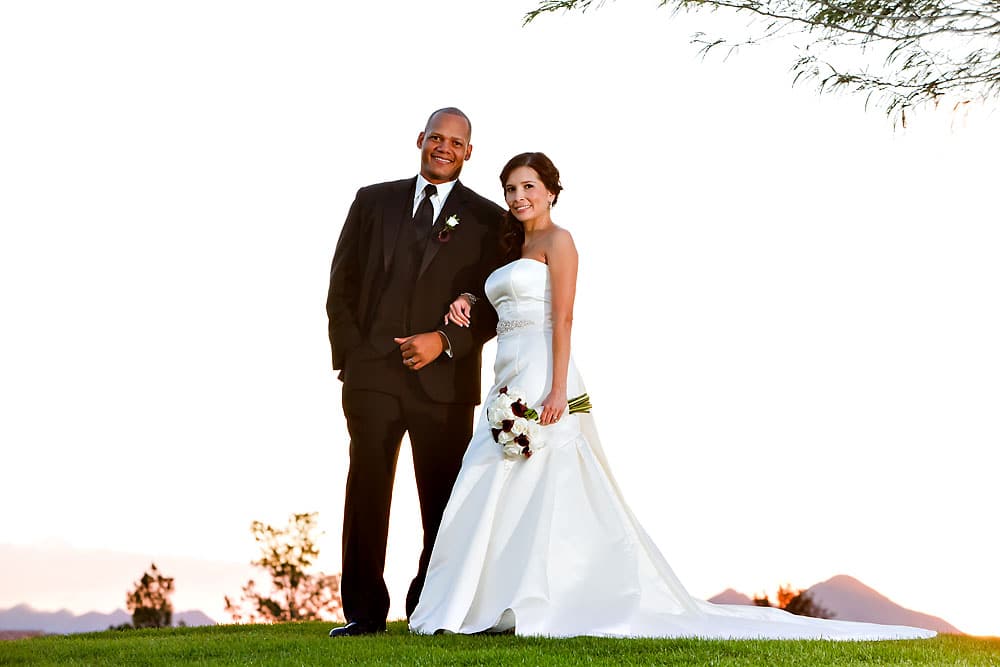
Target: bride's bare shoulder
<point x="560" y="243"/>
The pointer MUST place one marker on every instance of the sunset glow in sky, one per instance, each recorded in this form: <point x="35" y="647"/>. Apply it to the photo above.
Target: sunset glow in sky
<point x="787" y="311"/>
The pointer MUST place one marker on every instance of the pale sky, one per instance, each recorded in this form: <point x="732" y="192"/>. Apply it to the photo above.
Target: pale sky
<point x="787" y="311"/>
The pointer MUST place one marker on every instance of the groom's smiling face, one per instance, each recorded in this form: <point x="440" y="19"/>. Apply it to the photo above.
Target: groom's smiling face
<point x="444" y="147"/>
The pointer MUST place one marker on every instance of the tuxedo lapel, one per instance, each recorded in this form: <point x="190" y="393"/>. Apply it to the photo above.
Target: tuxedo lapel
<point x="396" y="213"/>
<point x="451" y="207"/>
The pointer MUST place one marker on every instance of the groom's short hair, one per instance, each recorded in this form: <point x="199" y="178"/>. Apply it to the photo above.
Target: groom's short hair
<point x="453" y="111"/>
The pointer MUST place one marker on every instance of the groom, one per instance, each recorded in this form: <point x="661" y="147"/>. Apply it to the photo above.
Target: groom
<point x="406" y="250"/>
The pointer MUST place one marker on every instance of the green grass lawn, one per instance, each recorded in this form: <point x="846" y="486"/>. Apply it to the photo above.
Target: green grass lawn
<point x="307" y="644"/>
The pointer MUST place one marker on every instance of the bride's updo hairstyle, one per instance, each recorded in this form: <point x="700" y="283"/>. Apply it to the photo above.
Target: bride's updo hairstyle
<point x="512" y="234"/>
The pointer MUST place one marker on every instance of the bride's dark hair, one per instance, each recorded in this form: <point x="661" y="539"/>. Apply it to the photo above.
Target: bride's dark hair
<point x="512" y="232"/>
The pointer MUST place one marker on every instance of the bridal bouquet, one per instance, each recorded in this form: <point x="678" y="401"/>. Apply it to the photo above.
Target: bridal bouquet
<point x="515" y="426"/>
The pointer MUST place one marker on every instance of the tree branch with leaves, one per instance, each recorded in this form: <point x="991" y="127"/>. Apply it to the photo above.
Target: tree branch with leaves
<point x="899" y="53"/>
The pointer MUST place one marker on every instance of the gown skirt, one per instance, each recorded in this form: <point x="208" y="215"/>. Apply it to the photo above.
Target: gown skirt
<point x="547" y="545"/>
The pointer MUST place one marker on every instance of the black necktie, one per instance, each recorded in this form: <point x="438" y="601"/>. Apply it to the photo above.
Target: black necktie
<point x="424" y="217"/>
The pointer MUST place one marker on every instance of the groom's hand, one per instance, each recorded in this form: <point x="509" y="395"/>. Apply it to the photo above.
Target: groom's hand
<point x="420" y="349"/>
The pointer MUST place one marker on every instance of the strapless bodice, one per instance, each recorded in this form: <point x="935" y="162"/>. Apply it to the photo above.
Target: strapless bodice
<point x="522" y="296"/>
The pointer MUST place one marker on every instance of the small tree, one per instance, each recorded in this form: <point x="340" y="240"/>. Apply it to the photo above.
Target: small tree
<point x="149" y="602"/>
<point x="799" y="602"/>
<point x="287" y="554"/>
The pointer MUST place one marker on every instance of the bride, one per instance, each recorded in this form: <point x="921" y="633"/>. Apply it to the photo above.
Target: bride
<point x="536" y="536"/>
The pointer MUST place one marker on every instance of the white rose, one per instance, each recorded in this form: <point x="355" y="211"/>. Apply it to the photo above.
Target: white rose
<point x="512" y="450"/>
<point x="505" y="436"/>
<point x="520" y="426"/>
<point x="534" y="434"/>
<point x="501" y="409"/>
<point x="516" y="395"/>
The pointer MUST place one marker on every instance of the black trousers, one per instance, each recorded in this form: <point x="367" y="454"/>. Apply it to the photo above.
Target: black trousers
<point x="439" y="434"/>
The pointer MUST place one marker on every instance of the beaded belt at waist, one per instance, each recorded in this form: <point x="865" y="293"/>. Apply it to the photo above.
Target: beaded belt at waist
<point x="506" y="326"/>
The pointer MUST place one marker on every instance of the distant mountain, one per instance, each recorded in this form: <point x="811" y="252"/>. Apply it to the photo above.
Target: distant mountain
<point x="729" y="596"/>
<point x="24" y="617"/>
<point x="53" y="576"/>
<point x="851" y="600"/>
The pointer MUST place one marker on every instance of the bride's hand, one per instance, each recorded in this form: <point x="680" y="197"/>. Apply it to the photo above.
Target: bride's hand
<point x="459" y="312"/>
<point x="553" y="407"/>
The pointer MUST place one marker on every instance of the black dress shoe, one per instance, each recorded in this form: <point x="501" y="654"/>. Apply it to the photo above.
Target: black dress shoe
<point x="356" y="629"/>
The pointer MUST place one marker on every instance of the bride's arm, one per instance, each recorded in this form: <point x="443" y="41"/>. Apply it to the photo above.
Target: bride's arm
<point x="562" y="260"/>
<point x="460" y="310"/>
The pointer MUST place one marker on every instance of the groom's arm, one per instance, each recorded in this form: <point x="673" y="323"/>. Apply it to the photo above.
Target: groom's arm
<point x="466" y="338"/>
<point x="346" y="274"/>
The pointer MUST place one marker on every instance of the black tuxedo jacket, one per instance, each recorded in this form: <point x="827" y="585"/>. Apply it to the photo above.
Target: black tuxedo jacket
<point x="361" y="266"/>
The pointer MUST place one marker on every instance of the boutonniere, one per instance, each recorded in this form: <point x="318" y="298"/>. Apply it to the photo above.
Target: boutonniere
<point x="444" y="235"/>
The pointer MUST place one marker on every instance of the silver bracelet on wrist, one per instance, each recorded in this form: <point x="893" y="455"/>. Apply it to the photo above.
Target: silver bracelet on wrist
<point x="471" y="297"/>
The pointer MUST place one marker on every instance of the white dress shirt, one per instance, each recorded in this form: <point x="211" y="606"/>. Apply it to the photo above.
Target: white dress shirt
<point x="437" y="200"/>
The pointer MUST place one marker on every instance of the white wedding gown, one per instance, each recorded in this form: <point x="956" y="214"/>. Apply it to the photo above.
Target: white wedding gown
<point x="547" y="545"/>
